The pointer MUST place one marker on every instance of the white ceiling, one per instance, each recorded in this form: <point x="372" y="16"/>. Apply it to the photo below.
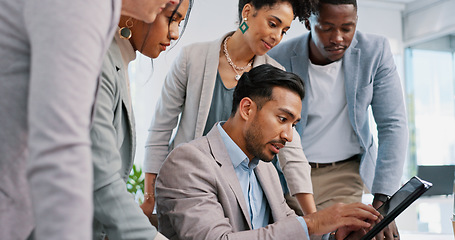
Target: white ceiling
<point x="399" y="1"/>
<point x="395" y="1"/>
<point x="395" y="4"/>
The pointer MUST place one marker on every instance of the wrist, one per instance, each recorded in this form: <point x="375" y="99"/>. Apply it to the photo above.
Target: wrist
<point x="148" y="196"/>
<point x="379" y="199"/>
<point x="309" y="224"/>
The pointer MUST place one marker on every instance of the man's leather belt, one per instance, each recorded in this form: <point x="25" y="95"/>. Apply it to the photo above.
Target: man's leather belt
<point x="323" y="165"/>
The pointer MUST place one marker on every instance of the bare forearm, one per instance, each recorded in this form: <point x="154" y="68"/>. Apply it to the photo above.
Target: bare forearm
<point x="149" y="194"/>
<point x="149" y="183"/>
<point x="306" y="202"/>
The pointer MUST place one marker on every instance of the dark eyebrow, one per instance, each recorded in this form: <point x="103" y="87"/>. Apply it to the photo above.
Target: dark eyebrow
<point x="348" y="24"/>
<point x="344" y="24"/>
<point x="277" y="18"/>
<point x="327" y="23"/>
<point x="288" y="113"/>
<point x="281" y="22"/>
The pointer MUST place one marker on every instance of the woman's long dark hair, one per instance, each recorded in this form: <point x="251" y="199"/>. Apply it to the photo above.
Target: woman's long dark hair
<point x="190" y="6"/>
<point x="185" y="22"/>
<point x="187" y="17"/>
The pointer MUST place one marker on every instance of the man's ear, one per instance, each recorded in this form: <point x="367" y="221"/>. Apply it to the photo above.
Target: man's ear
<point x="246" y="108"/>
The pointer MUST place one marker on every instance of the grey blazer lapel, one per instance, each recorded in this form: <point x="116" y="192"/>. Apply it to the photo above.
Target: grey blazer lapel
<point x="351" y="65"/>
<point x="300" y="58"/>
<point x="299" y="65"/>
<point x="125" y="99"/>
<point x="209" y="71"/>
<point x="221" y="155"/>
<point x="269" y="192"/>
<point x="131" y="122"/>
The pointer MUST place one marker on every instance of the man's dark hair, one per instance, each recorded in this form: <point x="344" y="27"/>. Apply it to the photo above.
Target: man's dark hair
<point x="315" y="9"/>
<point x="302" y="8"/>
<point x="259" y="82"/>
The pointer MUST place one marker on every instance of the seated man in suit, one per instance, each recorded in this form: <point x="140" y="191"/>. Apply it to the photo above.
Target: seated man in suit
<point x="222" y="185"/>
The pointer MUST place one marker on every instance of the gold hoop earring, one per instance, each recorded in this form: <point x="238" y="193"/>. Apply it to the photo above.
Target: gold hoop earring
<point x="125" y="32"/>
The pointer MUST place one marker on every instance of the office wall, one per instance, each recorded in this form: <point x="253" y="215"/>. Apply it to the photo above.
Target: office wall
<point x="426" y="20"/>
<point x="383" y="19"/>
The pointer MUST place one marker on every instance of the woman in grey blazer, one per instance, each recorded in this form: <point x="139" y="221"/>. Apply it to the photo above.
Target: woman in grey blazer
<point x="116" y="214"/>
<point x="201" y="82"/>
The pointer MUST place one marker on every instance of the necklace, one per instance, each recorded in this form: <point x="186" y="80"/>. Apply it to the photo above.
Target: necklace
<point x="234" y="67"/>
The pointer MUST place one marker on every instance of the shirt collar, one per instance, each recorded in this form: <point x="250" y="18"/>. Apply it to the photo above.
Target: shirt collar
<point x="235" y="153"/>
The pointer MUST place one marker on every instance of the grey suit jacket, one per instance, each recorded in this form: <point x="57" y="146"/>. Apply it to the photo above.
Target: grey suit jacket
<point x="371" y="79"/>
<point x="113" y="147"/>
<point x="188" y="92"/>
<point x="199" y="196"/>
<point x="49" y="65"/>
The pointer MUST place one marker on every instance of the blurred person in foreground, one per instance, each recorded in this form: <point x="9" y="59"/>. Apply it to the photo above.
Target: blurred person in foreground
<point x="50" y="58"/>
<point x="113" y="134"/>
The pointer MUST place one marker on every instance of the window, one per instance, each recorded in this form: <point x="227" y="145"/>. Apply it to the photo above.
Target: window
<point x="430" y="102"/>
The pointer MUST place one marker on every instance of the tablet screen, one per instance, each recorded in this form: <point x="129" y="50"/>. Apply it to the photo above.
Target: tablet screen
<point x="400" y="196"/>
<point x="406" y="195"/>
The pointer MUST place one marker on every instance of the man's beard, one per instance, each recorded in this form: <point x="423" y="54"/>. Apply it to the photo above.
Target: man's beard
<point x="253" y="139"/>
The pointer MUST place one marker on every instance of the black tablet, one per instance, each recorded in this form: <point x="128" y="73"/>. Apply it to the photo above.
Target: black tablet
<point x="404" y="197"/>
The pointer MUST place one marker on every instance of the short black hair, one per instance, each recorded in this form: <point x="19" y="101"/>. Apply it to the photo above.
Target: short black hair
<point x="316" y="7"/>
<point x="259" y="82"/>
<point x="302" y="8"/>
